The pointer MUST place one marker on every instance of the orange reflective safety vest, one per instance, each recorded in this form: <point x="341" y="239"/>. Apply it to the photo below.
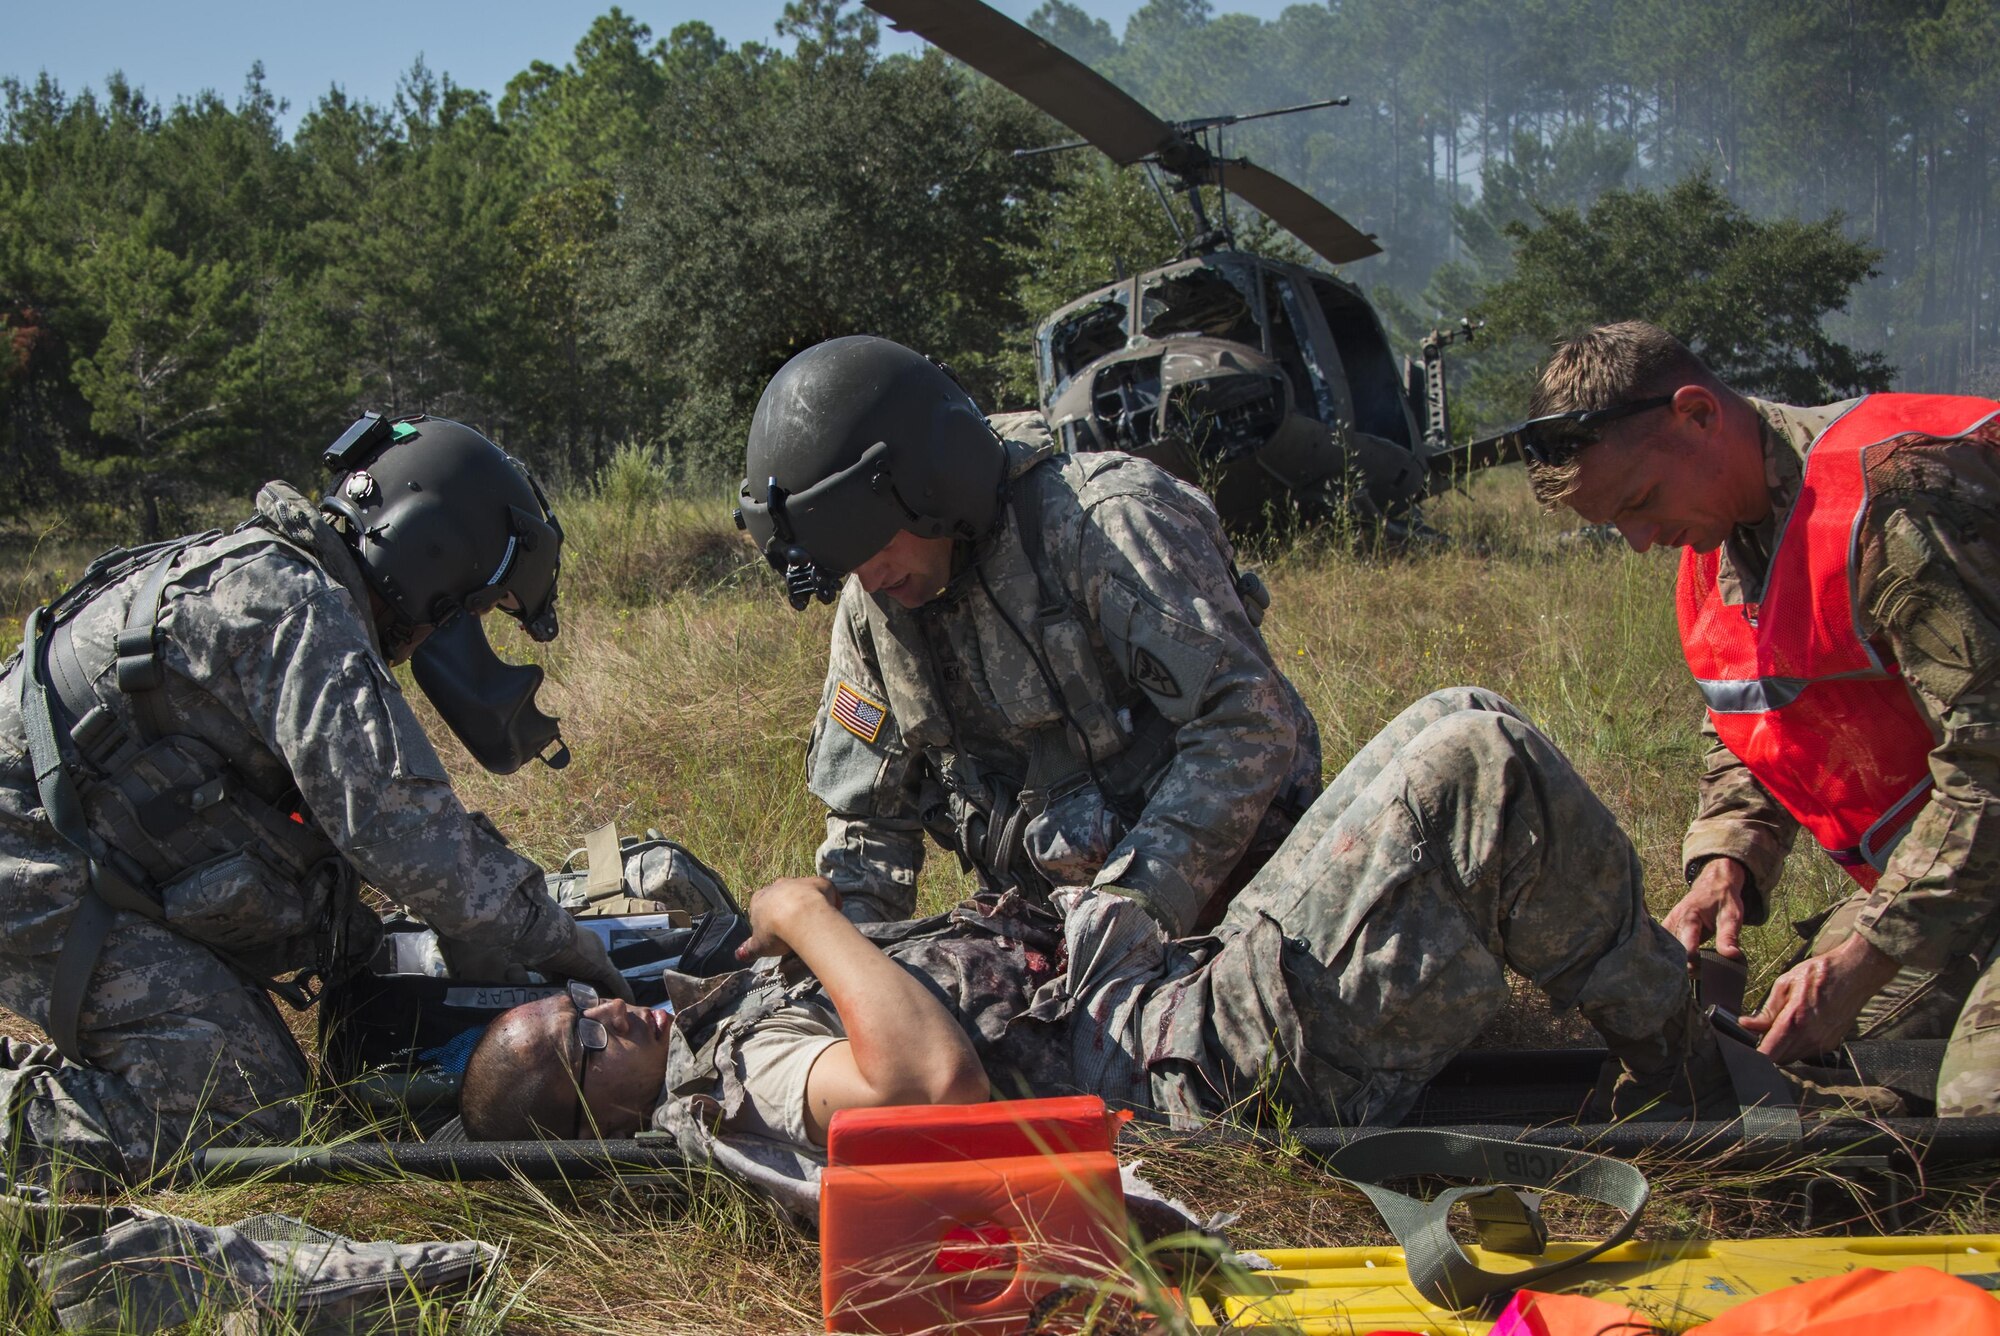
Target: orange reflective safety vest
<point x="1820" y="716"/>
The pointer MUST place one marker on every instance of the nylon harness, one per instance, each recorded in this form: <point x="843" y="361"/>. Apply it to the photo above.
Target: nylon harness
<point x="115" y="881"/>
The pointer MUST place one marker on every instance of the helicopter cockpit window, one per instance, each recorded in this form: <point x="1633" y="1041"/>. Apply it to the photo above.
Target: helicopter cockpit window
<point x="1081" y="337"/>
<point x="1198" y="301"/>
<point x="1292" y="348"/>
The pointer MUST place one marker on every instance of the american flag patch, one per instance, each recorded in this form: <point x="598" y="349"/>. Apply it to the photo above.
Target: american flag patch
<point x="857" y="714"/>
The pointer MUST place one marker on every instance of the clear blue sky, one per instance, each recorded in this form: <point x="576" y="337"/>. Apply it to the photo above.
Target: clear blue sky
<point x="173" y="48"/>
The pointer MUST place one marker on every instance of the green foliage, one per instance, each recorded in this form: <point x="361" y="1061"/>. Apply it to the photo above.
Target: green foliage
<point x="634" y="480"/>
<point x="1748" y="297"/>
<point x="1879" y="113"/>
<point x="629" y="240"/>
<point x="784" y="202"/>
<point x="584" y="120"/>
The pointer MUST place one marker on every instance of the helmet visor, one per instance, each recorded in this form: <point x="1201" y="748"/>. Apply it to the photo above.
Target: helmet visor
<point x="838" y="522"/>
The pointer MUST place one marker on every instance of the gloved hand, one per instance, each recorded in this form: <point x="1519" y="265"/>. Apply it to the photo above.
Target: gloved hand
<point x="480" y="964"/>
<point x="586" y="961"/>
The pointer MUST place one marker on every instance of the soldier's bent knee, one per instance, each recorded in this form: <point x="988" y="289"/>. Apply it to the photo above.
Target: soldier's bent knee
<point x="1451" y="700"/>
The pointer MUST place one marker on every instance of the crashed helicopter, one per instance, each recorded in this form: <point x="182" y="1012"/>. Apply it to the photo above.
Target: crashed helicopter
<point x="1270" y="385"/>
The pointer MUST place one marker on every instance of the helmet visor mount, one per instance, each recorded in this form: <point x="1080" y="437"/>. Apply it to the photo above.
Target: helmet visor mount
<point x="521" y="570"/>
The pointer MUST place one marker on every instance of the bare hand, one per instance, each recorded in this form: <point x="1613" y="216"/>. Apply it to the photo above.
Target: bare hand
<point x="1712" y="905"/>
<point x="1812" y="1006"/>
<point x="774" y="910"/>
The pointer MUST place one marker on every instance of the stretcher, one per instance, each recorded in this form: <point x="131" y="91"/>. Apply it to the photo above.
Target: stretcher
<point x="1349" y="1291"/>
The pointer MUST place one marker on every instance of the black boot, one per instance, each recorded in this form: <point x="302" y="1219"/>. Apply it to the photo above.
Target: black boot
<point x="1676" y="1074"/>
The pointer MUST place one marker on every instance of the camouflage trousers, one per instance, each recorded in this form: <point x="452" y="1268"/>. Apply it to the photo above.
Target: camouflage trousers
<point x="1960" y="1002"/>
<point x="1457" y="844"/>
<point x="181" y="1052"/>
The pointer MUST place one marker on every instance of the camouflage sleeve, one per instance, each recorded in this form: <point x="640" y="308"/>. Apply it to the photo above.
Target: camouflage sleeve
<point x="858" y="765"/>
<point x="1159" y="582"/>
<point x="1736" y="818"/>
<point x="1930" y="587"/>
<point x="375" y="785"/>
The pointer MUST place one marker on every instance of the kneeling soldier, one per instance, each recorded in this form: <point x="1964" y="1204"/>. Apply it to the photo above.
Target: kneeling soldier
<point x="1050" y="664"/>
<point x="203" y="753"/>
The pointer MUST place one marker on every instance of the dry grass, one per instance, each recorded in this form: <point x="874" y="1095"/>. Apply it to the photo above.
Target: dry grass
<point x="687" y="689"/>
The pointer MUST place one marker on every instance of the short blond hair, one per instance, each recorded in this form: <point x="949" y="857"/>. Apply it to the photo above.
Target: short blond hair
<point x="1599" y="368"/>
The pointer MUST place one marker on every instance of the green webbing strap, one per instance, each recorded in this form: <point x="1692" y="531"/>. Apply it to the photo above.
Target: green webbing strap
<point x="1768" y="1105"/>
<point x="1508" y="1221"/>
<point x="109" y="889"/>
<point x="1028" y="519"/>
<point x="138" y="644"/>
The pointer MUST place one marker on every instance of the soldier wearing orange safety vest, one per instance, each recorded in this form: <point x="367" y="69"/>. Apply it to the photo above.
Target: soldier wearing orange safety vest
<point x="1839" y="606"/>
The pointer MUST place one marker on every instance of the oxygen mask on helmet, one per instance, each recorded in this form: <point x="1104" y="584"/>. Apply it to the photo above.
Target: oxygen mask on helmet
<point x="446" y="526"/>
<point x="486" y="701"/>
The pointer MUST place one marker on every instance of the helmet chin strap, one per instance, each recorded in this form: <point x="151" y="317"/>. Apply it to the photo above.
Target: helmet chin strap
<point x="396" y="632"/>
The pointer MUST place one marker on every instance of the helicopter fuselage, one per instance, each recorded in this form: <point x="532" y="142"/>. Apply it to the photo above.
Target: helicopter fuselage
<point x="1268" y="384"/>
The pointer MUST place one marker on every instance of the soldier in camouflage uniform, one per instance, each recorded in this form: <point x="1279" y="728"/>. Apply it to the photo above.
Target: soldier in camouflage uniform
<point x="1051" y="665"/>
<point x="1368" y="951"/>
<point x="1913" y="956"/>
<point x="1368" y="948"/>
<point x="202" y="745"/>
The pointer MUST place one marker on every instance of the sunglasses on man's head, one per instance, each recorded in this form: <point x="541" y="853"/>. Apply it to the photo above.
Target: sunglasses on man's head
<point x="1554" y="440"/>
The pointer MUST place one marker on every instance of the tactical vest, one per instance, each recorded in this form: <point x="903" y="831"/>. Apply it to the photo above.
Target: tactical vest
<point x="1820" y="716"/>
<point x="168" y="828"/>
<point x="1092" y="740"/>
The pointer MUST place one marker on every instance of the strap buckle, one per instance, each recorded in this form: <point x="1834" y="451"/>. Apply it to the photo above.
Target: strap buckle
<point x="1508" y="1221"/>
<point x="301" y="990"/>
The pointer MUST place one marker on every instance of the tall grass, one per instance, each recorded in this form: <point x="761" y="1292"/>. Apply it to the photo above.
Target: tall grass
<point x="687" y="689"/>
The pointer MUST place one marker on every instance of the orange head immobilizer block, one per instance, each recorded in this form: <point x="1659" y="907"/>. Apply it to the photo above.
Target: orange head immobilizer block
<point x="960" y="1217"/>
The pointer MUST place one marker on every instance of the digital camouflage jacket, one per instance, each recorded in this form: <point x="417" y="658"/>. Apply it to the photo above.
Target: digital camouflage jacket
<point x="270" y="664"/>
<point x="1112" y="718"/>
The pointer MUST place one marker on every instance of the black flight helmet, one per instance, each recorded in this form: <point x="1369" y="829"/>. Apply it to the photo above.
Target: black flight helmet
<point x="447" y="526"/>
<point x="443" y="521"/>
<point x="854" y="440"/>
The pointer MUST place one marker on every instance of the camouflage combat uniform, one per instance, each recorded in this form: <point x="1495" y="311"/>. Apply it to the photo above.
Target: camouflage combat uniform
<point x="1367" y="952"/>
<point x="271" y="660"/>
<point x="1928" y="589"/>
<point x="1174" y="758"/>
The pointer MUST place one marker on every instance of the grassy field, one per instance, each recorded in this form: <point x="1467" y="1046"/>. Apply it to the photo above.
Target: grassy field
<point x="687" y="687"/>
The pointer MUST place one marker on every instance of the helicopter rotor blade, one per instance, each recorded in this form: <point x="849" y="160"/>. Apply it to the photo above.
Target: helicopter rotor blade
<point x="1293" y="209"/>
<point x="1110" y="118"/>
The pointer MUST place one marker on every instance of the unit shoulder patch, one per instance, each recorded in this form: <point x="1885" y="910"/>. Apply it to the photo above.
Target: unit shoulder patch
<point x="858" y="714"/>
<point x="1151" y="674"/>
